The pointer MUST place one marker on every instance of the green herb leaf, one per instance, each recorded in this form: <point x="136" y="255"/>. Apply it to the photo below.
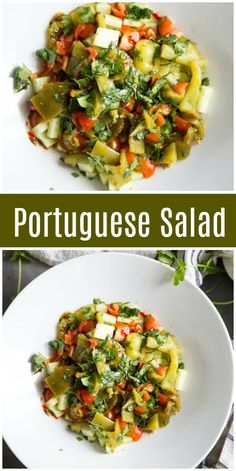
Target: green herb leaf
<point x="21" y="78"/>
<point x="37" y="363"/>
<point x="179" y="272"/>
<point x="57" y="345"/>
<point x="75" y="174"/>
<point x="98" y="301"/>
<point x="134" y="12"/>
<point x="206" y="81"/>
<point x="46" y="55"/>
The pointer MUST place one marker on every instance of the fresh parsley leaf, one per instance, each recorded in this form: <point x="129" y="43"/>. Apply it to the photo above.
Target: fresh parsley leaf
<point x="98" y="301"/>
<point x="172" y="40"/>
<point x="206" y="82"/>
<point x="181" y="366"/>
<point x="75" y="174"/>
<point x="85" y="14"/>
<point x="102" y="132"/>
<point x="66" y="126"/>
<point x="134" y="12"/>
<point x="46" y="55"/>
<point x="37" y="363"/>
<point x="21" y="78"/>
<point x="179" y="272"/>
<point x="96" y="161"/>
<point x="20" y="254"/>
<point x="129" y="170"/>
<point x="68" y="24"/>
<point x="166" y="256"/>
<point x="126" y="311"/>
<point x="57" y="345"/>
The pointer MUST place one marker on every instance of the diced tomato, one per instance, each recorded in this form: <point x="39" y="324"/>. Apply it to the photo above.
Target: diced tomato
<point x="63" y="46"/>
<point x="83" y="141"/>
<point x="161" y="371"/>
<point x="92" y="52"/>
<point x="150" y="323"/>
<point x="148" y="168"/>
<point x="70" y="336"/>
<point x="140" y="409"/>
<point x="143" y="314"/>
<point x="120" y="325"/>
<point x="121" y="333"/>
<point x="135" y="327"/>
<point x="84" y="411"/>
<point x="160" y="120"/>
<point x="84" y="120"/>
<point x="154" y="79"/>
<point x="34" y="118"/>
<point x="165" y="26"/>
<point x="156" y="15"/>
<point x="114" y="310"/>
<point x="146" y="396"/>
<point x="152" y="137"/>
<point x="83" y="31"/>
<point x="129" y="40"/>
<point x="180" y="87"/>
<point x="130" y="105"/>
<point x="115" y="144"/>
<point x="118" y="9"/>
<point x="86" y="396"/>
<point x="47" y="395"/>
<point x="130" y="156"/>
<point x="136" y="433"/>
<point x="141" y="363"/>
<point x="93" y="343"/>
<point x="128" y="29"/>
<point x="122" y="425"/>
<point x="181" y="125"/>
<point x="139" y="108"/>
<point x="86" y="326"/>
<point x="122" y="384"/>
<point x="162" y="399"/>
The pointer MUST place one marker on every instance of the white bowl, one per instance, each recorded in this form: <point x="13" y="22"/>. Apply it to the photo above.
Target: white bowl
<point x="210" y="166"/>
<point x="40" y="441"/>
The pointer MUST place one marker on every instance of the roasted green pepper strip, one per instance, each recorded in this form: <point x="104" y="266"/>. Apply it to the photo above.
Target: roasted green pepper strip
<point x="51" y="100"/>
<point x="59" y="381"/>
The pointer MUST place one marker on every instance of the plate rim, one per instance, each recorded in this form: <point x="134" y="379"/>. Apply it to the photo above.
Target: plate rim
<point x="157" y="263"/>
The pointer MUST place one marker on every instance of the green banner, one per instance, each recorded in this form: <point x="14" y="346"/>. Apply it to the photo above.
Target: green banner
<point x="118" y="220"/>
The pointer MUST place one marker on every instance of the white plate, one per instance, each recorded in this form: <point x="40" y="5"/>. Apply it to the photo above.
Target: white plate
<point x="40" y="441"/>
<point x="210" y="165"/>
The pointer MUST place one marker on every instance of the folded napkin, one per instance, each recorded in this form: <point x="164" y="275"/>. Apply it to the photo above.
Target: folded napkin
<point x="192" y="258"/>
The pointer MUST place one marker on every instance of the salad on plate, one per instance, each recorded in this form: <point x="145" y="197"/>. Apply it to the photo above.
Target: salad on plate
<point x="113" y="375"/>
<point x="119" y="92"/>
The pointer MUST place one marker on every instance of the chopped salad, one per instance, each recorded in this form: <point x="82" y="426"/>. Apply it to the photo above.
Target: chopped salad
<point x="119" y="92"/>
<point x="114" y="373"/>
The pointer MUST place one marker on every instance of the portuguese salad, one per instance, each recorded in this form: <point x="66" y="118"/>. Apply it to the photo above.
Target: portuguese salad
<point x="119" y="92"/>
<point x="114" y="373"/>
